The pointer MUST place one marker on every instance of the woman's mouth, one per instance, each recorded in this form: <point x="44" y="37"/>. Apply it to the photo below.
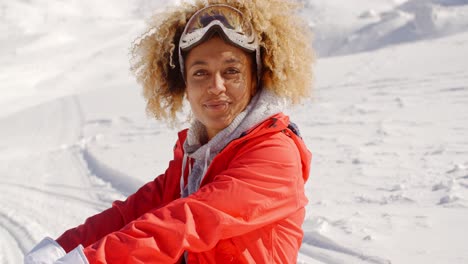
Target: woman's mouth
<point x="216" y="105"/>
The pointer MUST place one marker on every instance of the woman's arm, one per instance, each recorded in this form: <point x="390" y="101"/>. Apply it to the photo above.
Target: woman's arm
<point x="154" y="194"/>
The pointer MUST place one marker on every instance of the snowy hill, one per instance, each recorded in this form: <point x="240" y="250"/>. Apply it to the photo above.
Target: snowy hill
<point x="388" y="125"/>
<point x="367" y="25"/>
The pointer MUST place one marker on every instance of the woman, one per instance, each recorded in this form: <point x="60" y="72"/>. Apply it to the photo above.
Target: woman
<point x="234" y="192"/>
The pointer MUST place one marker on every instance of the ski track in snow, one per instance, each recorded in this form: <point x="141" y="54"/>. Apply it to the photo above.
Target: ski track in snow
<point x="118" y="180"/>
<point x="314" y="242"/>
<point x="14" y="222"/>
<point x="17" y="232"/>
<point x="53" y="143"/>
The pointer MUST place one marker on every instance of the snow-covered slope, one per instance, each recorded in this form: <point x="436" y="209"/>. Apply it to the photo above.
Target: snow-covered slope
<point x="364" y="25"/>
<point x="389" y="130"/>
<point x="388" y="125"/>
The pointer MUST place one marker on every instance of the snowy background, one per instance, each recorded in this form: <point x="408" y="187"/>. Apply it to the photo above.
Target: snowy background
<point x="388" y="125"/>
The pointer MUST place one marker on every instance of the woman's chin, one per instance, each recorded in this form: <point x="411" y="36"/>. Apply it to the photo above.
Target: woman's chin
<point x="214" y="126"/>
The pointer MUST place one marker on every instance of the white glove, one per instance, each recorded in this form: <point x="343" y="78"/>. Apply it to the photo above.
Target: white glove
<point x="75" y="256"/>
<point x="45" y="252"/>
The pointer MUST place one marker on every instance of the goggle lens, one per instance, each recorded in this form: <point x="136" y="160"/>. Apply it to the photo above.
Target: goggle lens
<point x="230" y="18"/>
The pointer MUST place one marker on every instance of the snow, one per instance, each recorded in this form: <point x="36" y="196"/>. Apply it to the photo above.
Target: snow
<point x="387" y="124"/>
<point x="369" y="25"/>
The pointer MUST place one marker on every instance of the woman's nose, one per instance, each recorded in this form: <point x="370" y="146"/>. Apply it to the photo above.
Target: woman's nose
<point x="217" y="86"/>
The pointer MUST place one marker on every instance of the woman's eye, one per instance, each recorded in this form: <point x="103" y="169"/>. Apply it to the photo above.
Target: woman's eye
<point x="232" y="71"/>
<point x="199" y="73"/>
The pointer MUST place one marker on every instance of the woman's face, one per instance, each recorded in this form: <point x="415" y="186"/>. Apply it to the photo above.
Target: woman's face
<point x="220" y="83"/>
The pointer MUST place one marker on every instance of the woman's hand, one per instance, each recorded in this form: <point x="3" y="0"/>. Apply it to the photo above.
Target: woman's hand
<point x="75" y="256"/>
<point x="45" y="252"/>
<point x="48" y="251"/>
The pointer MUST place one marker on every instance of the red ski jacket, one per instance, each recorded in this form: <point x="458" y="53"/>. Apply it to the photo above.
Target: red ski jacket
<point x="249" y="208"/>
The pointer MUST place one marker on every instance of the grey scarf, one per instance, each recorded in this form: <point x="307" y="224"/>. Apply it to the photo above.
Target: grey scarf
<point x="263" y="105"/>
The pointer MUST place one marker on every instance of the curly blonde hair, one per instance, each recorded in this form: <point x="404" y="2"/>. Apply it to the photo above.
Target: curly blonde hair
<point x="284" y="38"/>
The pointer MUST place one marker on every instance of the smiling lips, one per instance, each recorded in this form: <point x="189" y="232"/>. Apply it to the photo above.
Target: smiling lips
<point x="217" y="105"/>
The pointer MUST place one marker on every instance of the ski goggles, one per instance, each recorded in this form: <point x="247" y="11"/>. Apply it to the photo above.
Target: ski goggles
<point x="229" y="22"/>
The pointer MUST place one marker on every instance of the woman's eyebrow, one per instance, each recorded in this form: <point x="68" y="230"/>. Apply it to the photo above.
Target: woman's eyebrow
<point x="198" y="62"/>
<point x="226" y="61"/>
<point x="232" y="60"/>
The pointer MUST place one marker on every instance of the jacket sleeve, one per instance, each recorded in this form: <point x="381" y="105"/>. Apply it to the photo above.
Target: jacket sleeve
<point x="110" y="220"/>
<point x="152" y="195"/>
<point x="262" y="185"/>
